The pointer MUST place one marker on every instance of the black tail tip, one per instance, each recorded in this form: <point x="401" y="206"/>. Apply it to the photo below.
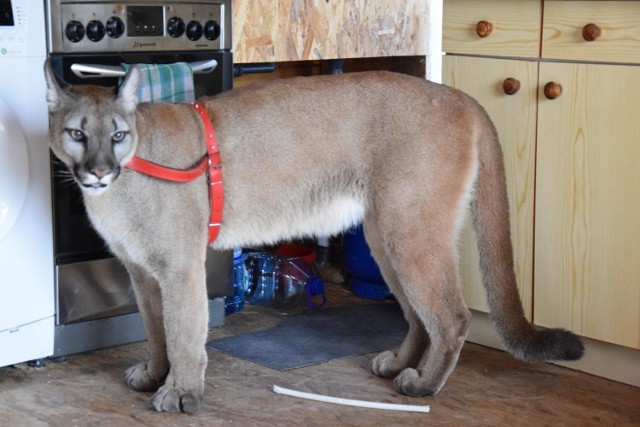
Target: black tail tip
<point x="550" y="345"/>
<point x="570" y="345"/>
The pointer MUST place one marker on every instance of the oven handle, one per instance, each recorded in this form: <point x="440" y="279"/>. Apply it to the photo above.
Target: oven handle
<point x="91" y="71"/>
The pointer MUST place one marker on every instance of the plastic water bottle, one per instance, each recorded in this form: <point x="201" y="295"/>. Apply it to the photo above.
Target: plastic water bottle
<point x="262" y="269"/>
<point x="282" y="282"/>
<point x="234" y="303"/>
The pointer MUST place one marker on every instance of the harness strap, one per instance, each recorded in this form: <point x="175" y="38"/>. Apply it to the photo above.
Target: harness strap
<point x="210" y="163"/>
<point x="216" y="186"/>
<point x="167" y="173"/>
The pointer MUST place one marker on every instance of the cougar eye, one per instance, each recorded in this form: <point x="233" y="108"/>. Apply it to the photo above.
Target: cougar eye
<point x="76" y="134"/>
<point x="118" y="136"/>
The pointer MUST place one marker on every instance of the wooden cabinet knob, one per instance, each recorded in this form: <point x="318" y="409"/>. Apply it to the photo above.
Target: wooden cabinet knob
<point x="511" y="86"/>
<point x="591" y="32"/>
<point x="552" y="90"/>
<point x="484" y="28"/>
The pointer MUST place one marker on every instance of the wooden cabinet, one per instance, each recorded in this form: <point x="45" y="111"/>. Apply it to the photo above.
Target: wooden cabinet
<point x="492" y="27"/>
<point x="611" y="28"/>
<point x="584" y="238"/>
<point x="515" y="119"/>
<point x="587" y="237"/>
<point x="293" y="30"/>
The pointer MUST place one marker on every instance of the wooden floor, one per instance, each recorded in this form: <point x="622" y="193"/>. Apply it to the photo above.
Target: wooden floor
<point x="488" y="387"/>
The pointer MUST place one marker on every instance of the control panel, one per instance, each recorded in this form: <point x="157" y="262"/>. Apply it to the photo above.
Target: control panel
<point x="21" y="30"/>
<point x="142" y="26"/>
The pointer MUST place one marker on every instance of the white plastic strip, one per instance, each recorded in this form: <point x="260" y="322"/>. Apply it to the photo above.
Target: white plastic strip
<point x="351" y="402"/>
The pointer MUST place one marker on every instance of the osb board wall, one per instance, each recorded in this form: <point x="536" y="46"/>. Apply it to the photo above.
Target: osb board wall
<point x="294" y="30"/>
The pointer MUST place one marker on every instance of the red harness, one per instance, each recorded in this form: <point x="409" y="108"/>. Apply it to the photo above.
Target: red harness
<point x="210" y="162"/>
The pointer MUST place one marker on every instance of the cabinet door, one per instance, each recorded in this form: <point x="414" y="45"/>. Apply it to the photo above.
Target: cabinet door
<point x="587" y="241"/>
<point x="492" y="27"/>
<point x="515" y="118"/>
<point x="294" y="30"/>
<point x="592" y="31"/>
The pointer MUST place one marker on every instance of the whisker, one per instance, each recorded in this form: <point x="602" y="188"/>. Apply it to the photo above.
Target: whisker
<point x="64" y="177"/>
<point x="68" y="184"/>
<point x="62" y="174"/>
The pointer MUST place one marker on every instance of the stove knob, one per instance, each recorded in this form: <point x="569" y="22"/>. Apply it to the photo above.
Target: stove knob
<point x="95" y="31"/>
<point x="211" y="30"/>
<point x="175" y="27"/>
<point x="74" y="31"/>
<point x="194" y="30"/>
<point x="115" y="27"/>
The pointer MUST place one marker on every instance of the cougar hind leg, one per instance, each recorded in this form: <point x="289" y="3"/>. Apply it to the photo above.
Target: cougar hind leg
<point x="389" y="364"/>
<point x="440" y="306"/>
<point x="416" y="234"/>
<point x="425" y="280"/>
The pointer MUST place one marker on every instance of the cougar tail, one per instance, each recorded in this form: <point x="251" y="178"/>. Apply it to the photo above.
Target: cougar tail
<point x="490" y="210"/>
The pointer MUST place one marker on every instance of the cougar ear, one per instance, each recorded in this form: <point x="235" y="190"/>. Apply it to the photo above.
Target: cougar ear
<point x="55" y="87"/>
<point x="128" y="90"/>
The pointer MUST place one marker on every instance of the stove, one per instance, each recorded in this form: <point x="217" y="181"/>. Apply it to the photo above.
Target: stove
<point x="150" y="26"/>
<point x="88" y="41"/>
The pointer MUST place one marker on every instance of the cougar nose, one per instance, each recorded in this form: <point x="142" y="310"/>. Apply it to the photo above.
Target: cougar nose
<point x="100" y="171"/>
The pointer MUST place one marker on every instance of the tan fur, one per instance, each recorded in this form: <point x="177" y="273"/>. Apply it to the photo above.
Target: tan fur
<point x="303" y="157"/>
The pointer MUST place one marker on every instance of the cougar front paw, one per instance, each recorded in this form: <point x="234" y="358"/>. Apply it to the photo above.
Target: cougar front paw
<point x="174" y="399"/>
<point x="410" y="383"/>
<point x="386" y="365"/>
<point x="139" y="378"/>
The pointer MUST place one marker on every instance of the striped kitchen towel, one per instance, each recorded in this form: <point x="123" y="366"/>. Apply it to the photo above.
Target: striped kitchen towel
<point x="165" y="82"/>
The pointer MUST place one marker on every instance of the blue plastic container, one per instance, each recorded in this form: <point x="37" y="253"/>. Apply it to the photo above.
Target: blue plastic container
<point x="366" y="281"/>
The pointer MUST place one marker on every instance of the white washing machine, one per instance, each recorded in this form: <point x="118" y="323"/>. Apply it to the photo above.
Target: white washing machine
<point x="27" y="303"/>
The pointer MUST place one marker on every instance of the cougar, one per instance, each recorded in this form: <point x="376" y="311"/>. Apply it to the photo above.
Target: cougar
<point x="308" y="156"/>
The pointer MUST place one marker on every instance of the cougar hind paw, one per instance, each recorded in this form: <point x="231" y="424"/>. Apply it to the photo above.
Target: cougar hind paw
<point x="386" y="365"/>
<point x="174" y="399"/>
<point x="410" y="383"/>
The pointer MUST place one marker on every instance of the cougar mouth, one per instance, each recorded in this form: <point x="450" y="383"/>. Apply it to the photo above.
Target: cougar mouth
<point x="95" y="180"/>
<point x="93" y="189"/>
<point x="95" y="185"/>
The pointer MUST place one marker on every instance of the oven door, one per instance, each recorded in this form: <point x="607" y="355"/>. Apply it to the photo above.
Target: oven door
<point x="207" y="81"/>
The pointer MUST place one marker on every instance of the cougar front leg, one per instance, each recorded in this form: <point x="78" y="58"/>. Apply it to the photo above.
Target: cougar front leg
<point x="150" y="375"/>
<point x="184" y="298"/>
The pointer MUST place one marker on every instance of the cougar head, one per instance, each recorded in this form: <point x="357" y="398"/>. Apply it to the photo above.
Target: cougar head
<point x="92" y="129"/>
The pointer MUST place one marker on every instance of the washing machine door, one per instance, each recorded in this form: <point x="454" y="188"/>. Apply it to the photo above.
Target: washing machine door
<point x="14" y="169"/>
